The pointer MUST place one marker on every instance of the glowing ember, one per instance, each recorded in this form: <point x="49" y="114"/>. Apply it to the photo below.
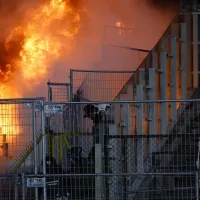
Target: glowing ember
<point x="118" y="24"/>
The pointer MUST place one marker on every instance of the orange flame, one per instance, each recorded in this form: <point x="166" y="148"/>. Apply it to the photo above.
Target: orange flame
<point x="43" y="37"/>
<point x="49" y="31"/>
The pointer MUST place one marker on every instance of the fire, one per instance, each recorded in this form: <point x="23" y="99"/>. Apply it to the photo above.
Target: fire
<point x="30" y="50"/>
<point x="50" y="30"/>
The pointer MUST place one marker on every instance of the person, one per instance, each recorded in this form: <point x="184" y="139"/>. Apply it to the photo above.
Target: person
<point x="56" y="186"/>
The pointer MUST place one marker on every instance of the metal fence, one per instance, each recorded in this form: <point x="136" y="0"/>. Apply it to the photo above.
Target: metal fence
<point x="22" y="142"/>
<point x="58" y="92"/>
<point x="97" y="85"/>
<point x="116" y="152"/>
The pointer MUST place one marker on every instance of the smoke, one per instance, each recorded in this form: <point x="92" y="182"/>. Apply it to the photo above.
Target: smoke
<point x="147" y="20"/>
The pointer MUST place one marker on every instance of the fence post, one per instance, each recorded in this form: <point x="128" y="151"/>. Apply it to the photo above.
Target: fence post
<point x="49" y="92"/>
<point x="23" y="187"/>
<point x="35" y="146"/>
<point x="183" y="60"/>
<point x="71" y="85"/>
<point x="43" y="145"/>
<point x="197" y="184"/>
<point x="16" y="187"/>
<point x="163" y="91"/>
<point x="71" y="99"/>
<point x="98" y="170"/>
<point x="173" y="85"/>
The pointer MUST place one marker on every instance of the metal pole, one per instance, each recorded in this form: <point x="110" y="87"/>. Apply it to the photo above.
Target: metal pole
<point x="23" y="187"/>
<point x="98" y="169"/>
<point x="43" y="145"/>
<point x="49" y="91"/>
<point x="67" y="92"/>
<point x="16" y="187"/>
<point x="35" y="146"/>
<point x="197" y="184"/>
<point x="71" y="99"/>
<point x="71" y="84"/>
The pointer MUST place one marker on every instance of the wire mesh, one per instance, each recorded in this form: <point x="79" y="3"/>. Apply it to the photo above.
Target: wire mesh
<point x="24" y="154"/>
<point x="16" y="131"/>
<point x="117" y="158"/>
<point x="98" y="85"/>
<point x="58" y="92"/>
<point x="8" y="189"/>
<point x="155" y="186"/>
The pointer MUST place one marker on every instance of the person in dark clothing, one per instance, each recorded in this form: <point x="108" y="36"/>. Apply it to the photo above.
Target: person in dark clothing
<point x="56" y="187"/>
<point x="90" y="169"/>
<point x="75" y="165"/>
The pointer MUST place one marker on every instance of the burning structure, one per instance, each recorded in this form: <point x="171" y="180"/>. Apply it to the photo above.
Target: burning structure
<point x="108" y="134"/>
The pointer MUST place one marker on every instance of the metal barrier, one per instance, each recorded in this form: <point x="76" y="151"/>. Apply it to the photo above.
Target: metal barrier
<point x="97" y="85"/>
<point x="117" y="152"/>
<point x="18" y="126"/>
<point x="21" y="122"/>
<point x="9" y="187"/>
<point x="58" y="92"/>
<point x="77" y="186"/>
<point x="123" y="154"/>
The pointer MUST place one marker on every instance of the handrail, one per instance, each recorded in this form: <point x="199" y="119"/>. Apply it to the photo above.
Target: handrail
<point x="24" y="155"/>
